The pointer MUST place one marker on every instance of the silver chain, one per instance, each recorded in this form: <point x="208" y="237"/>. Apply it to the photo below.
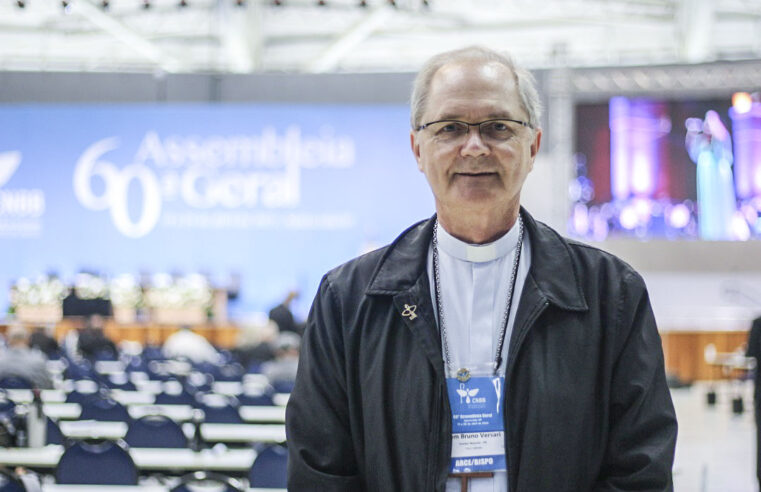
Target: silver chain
<point x="506" y="315"/>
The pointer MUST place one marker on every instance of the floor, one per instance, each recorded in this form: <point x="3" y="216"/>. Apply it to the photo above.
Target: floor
<point x="715" y="450"/>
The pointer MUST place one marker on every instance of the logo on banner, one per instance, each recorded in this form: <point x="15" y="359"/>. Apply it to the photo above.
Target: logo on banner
<point x="205" y="177"/>
<point x="20" y="208"/>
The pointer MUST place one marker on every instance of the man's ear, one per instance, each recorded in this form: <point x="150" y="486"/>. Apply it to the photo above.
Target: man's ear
<point x="415" y="145"/>
<point x="535" y="145"/>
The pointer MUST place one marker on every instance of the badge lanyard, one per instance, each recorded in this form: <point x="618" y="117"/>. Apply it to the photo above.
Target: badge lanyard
<point x="463" y="374"/>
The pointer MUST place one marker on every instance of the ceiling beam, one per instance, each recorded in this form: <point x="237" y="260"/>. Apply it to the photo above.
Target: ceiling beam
<point x="126" y="35"/>
<point x="695" y="21"/>
<point x="330" y="58"/>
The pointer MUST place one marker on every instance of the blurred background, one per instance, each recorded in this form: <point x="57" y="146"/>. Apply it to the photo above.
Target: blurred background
<point x="201" y="164"/>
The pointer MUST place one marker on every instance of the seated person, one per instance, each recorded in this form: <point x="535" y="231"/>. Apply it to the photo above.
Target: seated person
<point x="256" y="341"/>
<point x="283" y="367"/>
<point x="17" y="359"/>
<point x="187" y="344"/>
<point x="42" y="341"/>
<point x="93" y="342"/>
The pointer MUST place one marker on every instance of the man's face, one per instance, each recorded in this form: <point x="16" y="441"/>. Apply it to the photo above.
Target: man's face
<point x="474" y="174"/>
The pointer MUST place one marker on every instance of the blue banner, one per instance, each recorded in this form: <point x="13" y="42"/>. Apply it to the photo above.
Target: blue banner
<point x="274" y="194"/>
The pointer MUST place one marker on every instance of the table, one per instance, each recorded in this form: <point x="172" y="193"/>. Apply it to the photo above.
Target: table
<point x="179" y="413"/>
<point x="54" y="487"/>
<point x="226" y="460"/>
<point x="59" y="396"/>
<point x="231" y="433"/>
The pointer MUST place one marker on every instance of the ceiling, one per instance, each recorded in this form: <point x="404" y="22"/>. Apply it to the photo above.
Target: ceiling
<point x="247" y="36"/>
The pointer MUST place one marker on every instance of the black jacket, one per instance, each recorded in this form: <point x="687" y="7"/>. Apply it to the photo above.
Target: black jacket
<point x="586" y="406"/>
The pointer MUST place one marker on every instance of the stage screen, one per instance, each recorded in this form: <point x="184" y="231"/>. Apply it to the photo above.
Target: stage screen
<point x="670" y="169"/>
<point x="263" y="197"/>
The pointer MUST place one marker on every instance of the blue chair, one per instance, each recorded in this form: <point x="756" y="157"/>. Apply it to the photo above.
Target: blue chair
<point x="79" y="370"/>
<point x="232" y="371"/>
<point x="182" y="398"/>
<point x="269" y="468"/>
<point x="100" y="407"/>
<point x="54" y="434"/>
<point x="9" y="482"/>
<point x="207" y="481"/>
<point x="219" y="409"/>
<point x="7" y="406"/>
<point x="152" y="352"/>
<point x="102" y="463"/>
<point x="263" y="399"/>
<point x="15" y="382"/>
<point x="283" y="386"/>
<point x="155" y="431"/>
<point x="78" y="397"/>
<point x="119" y="383"/>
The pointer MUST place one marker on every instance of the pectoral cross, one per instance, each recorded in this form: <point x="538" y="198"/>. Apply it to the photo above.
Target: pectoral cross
<point x="464" y="477"/>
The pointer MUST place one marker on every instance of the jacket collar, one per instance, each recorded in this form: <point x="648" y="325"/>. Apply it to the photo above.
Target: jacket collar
<point x="552" y="267"/>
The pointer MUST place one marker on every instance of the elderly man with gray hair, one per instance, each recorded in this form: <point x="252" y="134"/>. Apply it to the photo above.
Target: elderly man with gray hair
<point x="480" y="350"/>
<point x="18" y="360"/>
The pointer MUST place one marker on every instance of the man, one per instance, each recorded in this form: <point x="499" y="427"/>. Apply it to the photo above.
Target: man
<point x="18" y="360"/>
<point x="92" y="341"/>
<point x="480" y="350"/>
<point x="187" y="344"/>
<point x="282" y="315"/>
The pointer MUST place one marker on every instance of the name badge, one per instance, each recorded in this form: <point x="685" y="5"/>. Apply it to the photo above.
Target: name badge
<point x="478" y="429"/>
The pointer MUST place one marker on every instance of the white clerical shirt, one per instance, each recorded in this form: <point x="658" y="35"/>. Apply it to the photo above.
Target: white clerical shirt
<point x="475" y="280"/>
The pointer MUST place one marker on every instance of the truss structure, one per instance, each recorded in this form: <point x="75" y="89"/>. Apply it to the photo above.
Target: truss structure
<point x="308" y="36"/>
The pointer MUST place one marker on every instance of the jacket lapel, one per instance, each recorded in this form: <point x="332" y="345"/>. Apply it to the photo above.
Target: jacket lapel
<point x="403" y="275"/>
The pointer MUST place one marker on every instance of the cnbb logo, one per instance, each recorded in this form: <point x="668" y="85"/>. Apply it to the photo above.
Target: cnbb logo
<point x="18" y="203"/>
<point x="116" y="183"/>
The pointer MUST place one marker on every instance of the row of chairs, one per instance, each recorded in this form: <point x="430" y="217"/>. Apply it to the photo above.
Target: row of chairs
<point x="192" y="482"/>
<point x="109" y="462"/>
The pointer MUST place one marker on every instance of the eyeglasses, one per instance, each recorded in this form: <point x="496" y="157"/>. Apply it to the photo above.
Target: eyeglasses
<point x="497" y="130"/>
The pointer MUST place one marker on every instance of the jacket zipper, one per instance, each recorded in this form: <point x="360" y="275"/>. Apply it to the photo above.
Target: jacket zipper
<point x="508" y="373"/>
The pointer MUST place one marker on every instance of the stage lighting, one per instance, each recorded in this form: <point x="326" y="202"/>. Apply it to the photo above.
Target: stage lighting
<point x="742" y="102"/>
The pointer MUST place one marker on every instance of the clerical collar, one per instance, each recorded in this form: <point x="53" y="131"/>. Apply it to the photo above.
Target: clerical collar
<point x="477" y="253"/>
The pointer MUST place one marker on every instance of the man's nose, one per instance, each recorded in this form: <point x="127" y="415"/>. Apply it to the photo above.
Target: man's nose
<point x="474" y="144"/>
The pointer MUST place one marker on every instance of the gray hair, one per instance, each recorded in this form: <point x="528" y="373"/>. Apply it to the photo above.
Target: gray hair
<point x="524" y="81"/>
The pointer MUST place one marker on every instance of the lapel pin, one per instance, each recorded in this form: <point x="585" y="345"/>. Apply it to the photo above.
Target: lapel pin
<point x="409" y="311"/>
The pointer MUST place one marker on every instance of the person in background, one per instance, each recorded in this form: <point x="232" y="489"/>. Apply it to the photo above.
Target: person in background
<point x="282" y="369"/>
<point x="754" y="350"/>
<point x="480" y="350"/>
<point x="282" y="315"/>
<point x="187" y="344"/>
<point x="42" y="341"/>
<point x="92" y="341"/>
<point x="21" y="361"/>
<point x="255" y="343"/>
